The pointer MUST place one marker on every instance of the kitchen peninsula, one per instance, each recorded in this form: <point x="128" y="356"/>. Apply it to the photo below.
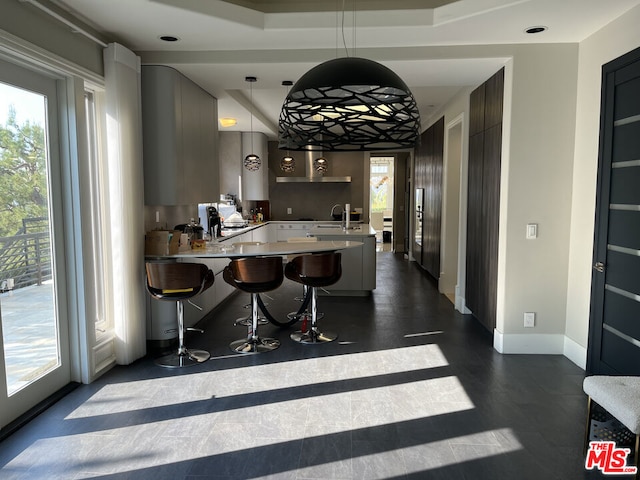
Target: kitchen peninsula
<point x="358" y="266"/>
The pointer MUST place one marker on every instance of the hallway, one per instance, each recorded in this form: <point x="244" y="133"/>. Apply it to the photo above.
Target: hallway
<point x="410" y="390"/>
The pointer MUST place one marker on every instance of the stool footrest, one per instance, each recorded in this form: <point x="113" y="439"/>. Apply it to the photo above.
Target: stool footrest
<point x="187" y="358"/>
<point x="255" y="345"/>
<point x="313" y="336"/>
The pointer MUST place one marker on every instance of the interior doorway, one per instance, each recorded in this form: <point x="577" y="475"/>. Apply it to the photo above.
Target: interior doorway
<point x="451" y="209"/>
<point x="381" y="194"/>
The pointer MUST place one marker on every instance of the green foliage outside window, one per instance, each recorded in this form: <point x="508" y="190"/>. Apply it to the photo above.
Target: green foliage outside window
<point x="23" y="182"/>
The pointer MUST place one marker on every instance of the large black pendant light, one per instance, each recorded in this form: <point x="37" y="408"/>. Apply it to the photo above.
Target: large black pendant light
<point x="349" y="104"/>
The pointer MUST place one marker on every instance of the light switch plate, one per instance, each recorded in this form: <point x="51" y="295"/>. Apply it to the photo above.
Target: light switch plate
<point x="532" y="231"/>
<point x="529" y="319"/>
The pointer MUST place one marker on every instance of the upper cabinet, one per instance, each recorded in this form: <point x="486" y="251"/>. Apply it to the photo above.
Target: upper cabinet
<point x="180" y="139"/>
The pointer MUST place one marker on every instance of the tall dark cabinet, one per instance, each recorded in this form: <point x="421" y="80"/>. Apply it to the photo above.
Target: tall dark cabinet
<point x="483" y="208"/>
<point x="428" y="183"/>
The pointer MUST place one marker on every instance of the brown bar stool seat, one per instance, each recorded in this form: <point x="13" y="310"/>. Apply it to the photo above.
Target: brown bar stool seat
<point x="254" y="275"/>
<point x="246" y="321"/>
<point x="176" y="282"/>
<point x="305" y="288"/>
<point x="315" y="271"/>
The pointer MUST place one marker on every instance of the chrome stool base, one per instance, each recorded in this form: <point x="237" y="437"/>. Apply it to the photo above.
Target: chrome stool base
<point x="299" y="316"/>
<point x="188" y="358"/>
<point x="312" y="337"/>
<point x="246" y="321"/>
<point x="258" y="345"/>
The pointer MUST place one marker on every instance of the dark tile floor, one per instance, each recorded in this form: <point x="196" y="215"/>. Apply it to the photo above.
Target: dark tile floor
<point x="411" y="390"/>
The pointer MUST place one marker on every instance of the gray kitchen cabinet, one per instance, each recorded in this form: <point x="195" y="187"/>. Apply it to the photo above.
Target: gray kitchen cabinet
<point x="358" y="264"/>
<point x="180" y="139"/>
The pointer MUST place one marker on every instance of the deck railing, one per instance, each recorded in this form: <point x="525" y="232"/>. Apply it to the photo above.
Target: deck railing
<point x="25" y="258"/>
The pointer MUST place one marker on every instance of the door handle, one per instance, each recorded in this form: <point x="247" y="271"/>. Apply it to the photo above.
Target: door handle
<point x="599" y="267"/>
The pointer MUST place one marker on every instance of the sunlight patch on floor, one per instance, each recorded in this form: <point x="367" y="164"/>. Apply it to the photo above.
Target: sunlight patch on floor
<point x="258" y="379"/>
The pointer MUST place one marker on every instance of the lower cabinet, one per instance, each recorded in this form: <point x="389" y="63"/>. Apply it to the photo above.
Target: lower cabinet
<point x="285" y="231"/>
<point x="358" y="267"/>
<point x="162" y="325"/>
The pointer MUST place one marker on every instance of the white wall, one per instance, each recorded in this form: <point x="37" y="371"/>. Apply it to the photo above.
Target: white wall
<point x="28" y="23"/>
<point x="453" y="141"/>
<point x="230" y="162"/>
<point x="616" y="39"/>
<point x="536" y="188"/>
<point x="537" y="167"/>
<point x="255" y="184"/>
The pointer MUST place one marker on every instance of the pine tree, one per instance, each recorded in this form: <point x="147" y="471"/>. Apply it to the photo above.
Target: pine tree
<point x="23" y="181"/>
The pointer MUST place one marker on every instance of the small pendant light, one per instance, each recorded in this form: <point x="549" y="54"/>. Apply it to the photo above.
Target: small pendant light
<point x="288" y="163"/>
<point x="320" y="165"/>
<point x="252" y="161"/>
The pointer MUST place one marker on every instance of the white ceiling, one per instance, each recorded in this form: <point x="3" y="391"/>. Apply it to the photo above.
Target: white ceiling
<point x="222" y="42"/>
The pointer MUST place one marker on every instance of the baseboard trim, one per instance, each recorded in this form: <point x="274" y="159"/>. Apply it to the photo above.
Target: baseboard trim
<point x="575" y="352"/>
<point x="531" y="343"/>
<point x="460" y="302"/>
<point x="540" y="344"/>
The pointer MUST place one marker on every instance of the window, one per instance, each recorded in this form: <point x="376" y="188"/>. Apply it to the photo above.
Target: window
<point x="381" y="184"/>
<point x="97" y="173"/>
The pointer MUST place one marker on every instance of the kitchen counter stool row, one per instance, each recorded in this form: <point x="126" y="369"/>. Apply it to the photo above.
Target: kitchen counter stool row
<point x="180" y="281"/>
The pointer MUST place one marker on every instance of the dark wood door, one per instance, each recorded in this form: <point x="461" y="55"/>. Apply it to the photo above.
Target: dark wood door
<point x="483" y="207"/>
<point x="614" y="330"/>
<point x="428" y="173"/>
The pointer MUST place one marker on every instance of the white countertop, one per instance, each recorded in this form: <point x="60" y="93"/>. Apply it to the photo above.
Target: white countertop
<point x="229" y="250"/>
<point x="319" y="228"/>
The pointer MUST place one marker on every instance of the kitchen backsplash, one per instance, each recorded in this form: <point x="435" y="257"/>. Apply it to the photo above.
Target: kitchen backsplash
<point x="314" y="200"/>
<point x="169" y="216"/>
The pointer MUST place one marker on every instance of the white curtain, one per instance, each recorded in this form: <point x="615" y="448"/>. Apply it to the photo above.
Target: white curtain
<point x="126" y="200"/>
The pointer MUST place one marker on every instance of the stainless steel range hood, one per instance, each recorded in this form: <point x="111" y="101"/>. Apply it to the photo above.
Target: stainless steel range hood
<point x="312" y="176"/>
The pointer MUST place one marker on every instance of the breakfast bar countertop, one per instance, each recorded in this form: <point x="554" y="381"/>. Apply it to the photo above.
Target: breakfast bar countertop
<point x="230" y="250"/>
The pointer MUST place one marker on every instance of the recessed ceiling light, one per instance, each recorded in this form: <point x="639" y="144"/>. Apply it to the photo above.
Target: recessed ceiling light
<point x="228" y="121"/>
<point x="169" y="38"/>
<point x="537" y="29"/>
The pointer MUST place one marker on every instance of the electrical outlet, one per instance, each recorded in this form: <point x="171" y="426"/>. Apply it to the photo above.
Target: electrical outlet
<point x="289" y="210"/>
<point x="529" y="319"/>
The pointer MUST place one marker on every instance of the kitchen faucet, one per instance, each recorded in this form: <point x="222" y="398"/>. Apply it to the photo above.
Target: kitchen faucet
<point x="334" y="208"/>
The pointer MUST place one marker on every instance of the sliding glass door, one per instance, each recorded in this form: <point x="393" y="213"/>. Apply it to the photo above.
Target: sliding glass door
<point x="34" y="340"/>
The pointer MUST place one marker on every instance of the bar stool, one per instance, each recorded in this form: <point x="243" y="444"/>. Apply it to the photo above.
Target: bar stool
<point x="305" y="288"/>
<point x="246" y="321"/>
<point x="176" y="282"/>
<point x="254" y="275"/>
<point x="315" y="271"/>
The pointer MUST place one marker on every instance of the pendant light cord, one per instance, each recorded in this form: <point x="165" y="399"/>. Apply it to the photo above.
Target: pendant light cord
<point x="344" y="41"/>
<point x="251" y="116"/>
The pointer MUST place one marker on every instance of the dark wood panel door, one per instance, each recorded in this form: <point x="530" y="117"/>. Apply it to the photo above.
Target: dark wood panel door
<point x="614" y="329"/>
<point x="474" y="223"/>
<point x="432" y="232"/>
<point x="490" y="214"/>
<point x="494" y="92"/>
<point x="476" y="113"/>
<point x="483" y="208"/>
